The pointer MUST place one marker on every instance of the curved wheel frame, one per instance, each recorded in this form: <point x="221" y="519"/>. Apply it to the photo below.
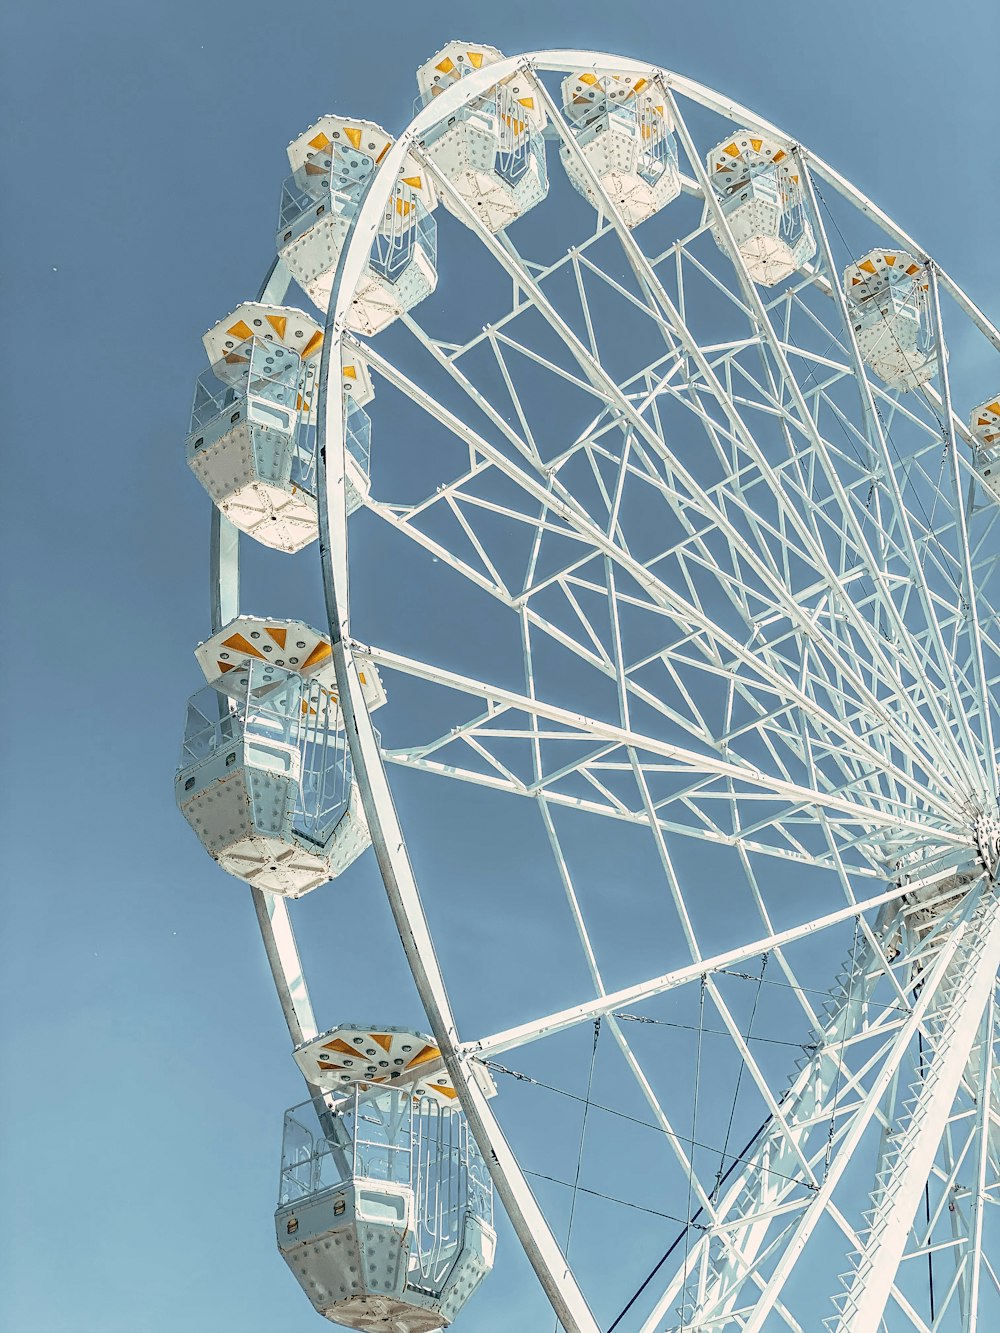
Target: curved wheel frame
<point x="532" y="1229"/>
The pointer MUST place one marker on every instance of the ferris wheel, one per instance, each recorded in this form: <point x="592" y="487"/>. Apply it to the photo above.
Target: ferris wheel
<point x="665" y="471"/>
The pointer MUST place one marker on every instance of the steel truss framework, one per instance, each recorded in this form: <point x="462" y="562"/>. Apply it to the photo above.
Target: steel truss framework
<point x="753" y="595"/>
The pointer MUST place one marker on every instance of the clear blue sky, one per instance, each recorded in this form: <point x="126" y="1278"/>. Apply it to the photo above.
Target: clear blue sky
<point x="144" y="1058"/>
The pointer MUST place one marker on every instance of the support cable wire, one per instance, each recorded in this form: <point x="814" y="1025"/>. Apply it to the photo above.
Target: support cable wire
<point x="739" y="1079"/>
<point x="710" y="1032"/>
<point x="579" y="1156"/>
<point x="882" y="1005"/>
<point x="583" y="1133"/>
<point x="611" y="1198"/>
<point x="693" y="1222"/>
<point x="497" y="1068"/>
<point x="694" y="1130"/>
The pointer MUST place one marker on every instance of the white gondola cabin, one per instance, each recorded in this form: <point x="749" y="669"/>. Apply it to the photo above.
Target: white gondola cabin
<point x="385" y="1210"/>
<point x="331" y="165"/>
<point x="985" y="426"/>
<point x="490" y="150"/>
<point x="887" y="294"/>
<point x="756" y="182"/>
<point x="265" y="778"/>
<point x="252" y="443"/>
<point x="623" y="128"/>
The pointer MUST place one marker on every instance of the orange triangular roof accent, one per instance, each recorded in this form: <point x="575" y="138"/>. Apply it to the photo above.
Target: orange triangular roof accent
<point x="383" y="153"/>
<point x="241" y="330"/>
<point x="439" y="1087"/>
<point x="639" y="85"/>
<point x="422" y="1057"/>
<point x="414" y="182"/>
<point x="353" y="134"/>
<point x="732" y="150"/>
<point x="867" y="266"/>
<point x="311" y="346"/>
<point x="383" y="1039"/>
<point x="890" y="260"/>
<point x="913" y="268"/>
<point x="278" y="323"/>
<point x="477" y="58"/>
<point x="342" y="1048"/>
<point x="779" y="155"/>
<point x="278" y="635"/>
<point x="529" y="102"/>
<point x="237" y="641"/>
<point x="321" y="651"/>
<point x="328" y="1064"/>
<point x="350" y="373"/>
<point x="756" y="144"/>
<point x="993" y="407"/>
<point x="446" y="65"/>
<point x="231" y="666"/>
<point x="320" y="142"/>
<point x="588" y="78"/>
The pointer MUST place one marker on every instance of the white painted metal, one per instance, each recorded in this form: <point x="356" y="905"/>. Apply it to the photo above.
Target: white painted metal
<point x="868" y="716"/>
<point x="621" y="128"/>
<point x="756" y="183"/>
<point x="387" y="838"/>
<point x="587" y="367"/>
<point x="953" y="1021"/>
<point x="887" y="292"/>
<point x="492" y="150"/>
<point x="285" y="963"/>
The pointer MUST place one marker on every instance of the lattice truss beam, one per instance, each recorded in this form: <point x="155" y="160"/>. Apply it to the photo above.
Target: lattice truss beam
<point x="750" y="592"/>
<point x="778" y="620"/>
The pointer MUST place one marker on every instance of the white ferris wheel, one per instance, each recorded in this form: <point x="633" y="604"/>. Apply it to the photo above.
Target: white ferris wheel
<point x="665" y="471"/>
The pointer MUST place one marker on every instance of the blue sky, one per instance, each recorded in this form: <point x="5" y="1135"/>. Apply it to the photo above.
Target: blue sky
<point x="144" y="1057"/>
